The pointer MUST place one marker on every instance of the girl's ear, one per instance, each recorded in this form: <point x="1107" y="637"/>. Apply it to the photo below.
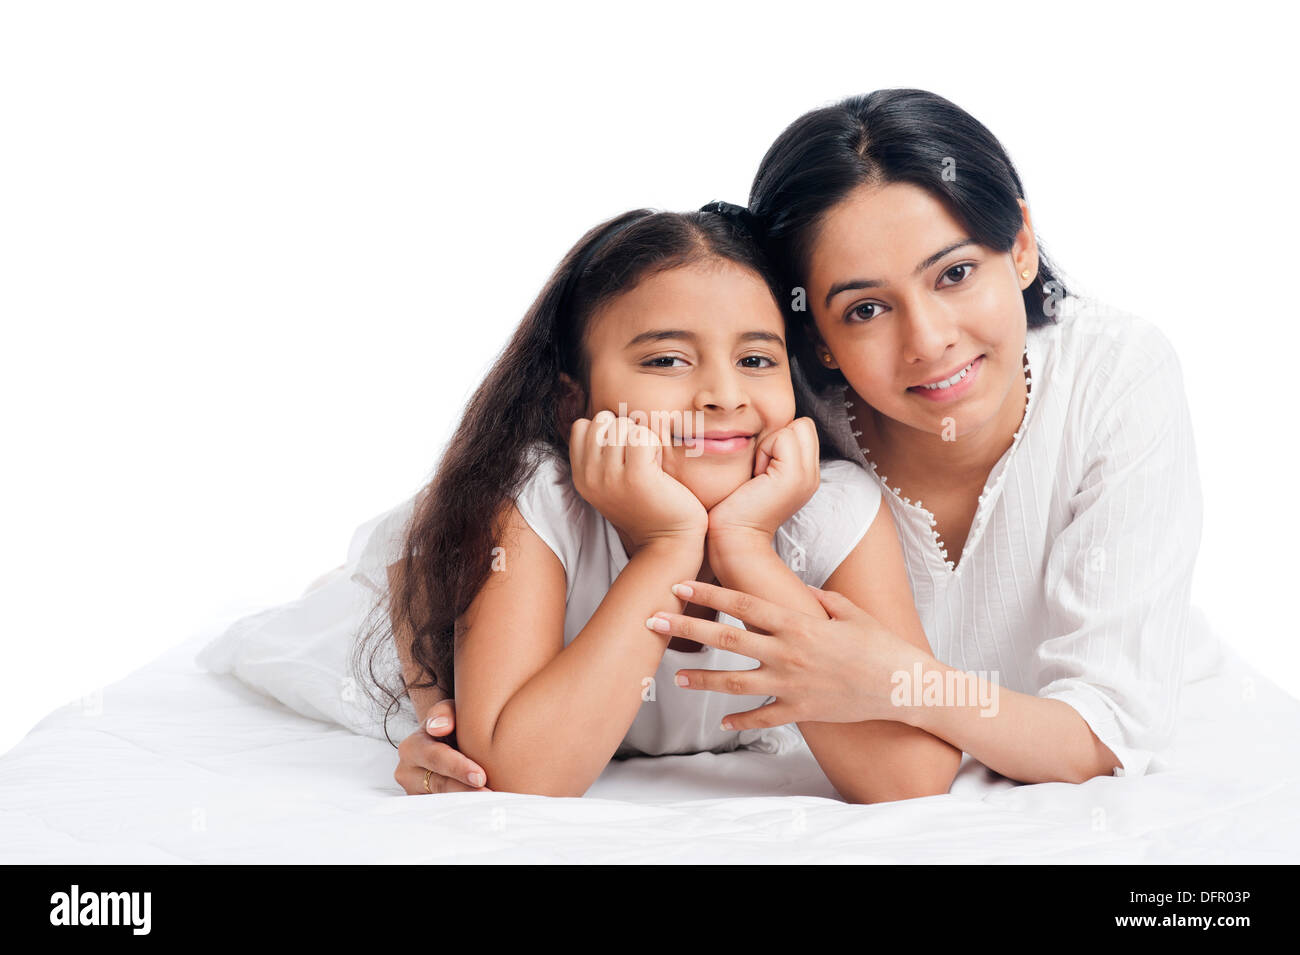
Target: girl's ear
<point x="572" y="406"/>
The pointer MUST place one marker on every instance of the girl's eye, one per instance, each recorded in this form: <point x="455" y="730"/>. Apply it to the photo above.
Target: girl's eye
<point x="858" y="313"/>
<point x="654" y="362"/>
<point x="770" y="362"/>
<point x="957" y="274"/>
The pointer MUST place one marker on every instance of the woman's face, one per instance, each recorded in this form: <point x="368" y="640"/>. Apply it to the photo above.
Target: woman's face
<point x="703" y="347"/>
<point x="902" y="296"/>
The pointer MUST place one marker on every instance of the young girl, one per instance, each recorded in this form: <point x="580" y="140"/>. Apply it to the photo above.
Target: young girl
<point x="639" y="429"/>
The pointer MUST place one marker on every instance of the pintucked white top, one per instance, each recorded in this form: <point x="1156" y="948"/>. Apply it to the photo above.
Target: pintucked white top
<point x="1074" y="581"/>
<point x="812" y="543"/>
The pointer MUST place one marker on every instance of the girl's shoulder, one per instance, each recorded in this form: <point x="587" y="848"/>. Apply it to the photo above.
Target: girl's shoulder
<point x="843" y="480"/>
<point x="548" y="481"/>
<point x="846" y="492"/>
<point x="821" y="534"/>
<point x="551" y="505"/>
<point x="546" y="499"/>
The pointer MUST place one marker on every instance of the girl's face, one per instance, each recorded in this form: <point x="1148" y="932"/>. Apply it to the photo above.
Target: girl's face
<point x="703" y="345"/>
<point x="902" y="296"/>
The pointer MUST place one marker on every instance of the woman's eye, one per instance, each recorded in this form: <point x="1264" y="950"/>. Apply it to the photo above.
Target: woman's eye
<point x="956" y="274"/>
<point x="770" y="362"/>
<point x="858" y="311"/>
<point x="655" y="362"/>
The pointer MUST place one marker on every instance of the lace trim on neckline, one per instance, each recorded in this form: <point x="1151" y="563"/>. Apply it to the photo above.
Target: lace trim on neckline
<point x="981" y="514"/>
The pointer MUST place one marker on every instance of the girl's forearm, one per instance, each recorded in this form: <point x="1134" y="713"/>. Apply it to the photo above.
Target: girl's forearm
<point x="422" y="698"/>
<point x="1027" y="738"/>
<point x="874" y="761"/>
<point x="557" y="733"/>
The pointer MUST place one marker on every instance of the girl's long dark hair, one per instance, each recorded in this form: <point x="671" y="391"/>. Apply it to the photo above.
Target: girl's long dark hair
<point x="894" y="135"/>
<point x="447" y="551"/>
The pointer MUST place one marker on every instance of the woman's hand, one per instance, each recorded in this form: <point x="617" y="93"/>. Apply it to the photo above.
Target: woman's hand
<point x="618" y="468"/>
<point x="421" y="757"/>
<point x="787" y="472"/>
<point x="839" y="670"/>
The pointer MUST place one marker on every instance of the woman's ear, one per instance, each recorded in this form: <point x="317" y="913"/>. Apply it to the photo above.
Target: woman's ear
<point x="1024" y="250"/>
<point x="824" y="356"/>
<point x="572" y="406"/>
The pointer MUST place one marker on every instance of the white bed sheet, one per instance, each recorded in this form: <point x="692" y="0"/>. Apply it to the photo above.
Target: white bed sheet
<point x="185" y="766"/>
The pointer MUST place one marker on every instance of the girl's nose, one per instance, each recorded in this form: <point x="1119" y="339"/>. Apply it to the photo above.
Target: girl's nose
<point x="721" y="389"/>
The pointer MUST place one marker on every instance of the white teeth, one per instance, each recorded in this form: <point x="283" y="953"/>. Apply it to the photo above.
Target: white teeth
<point x="951" y="381"/>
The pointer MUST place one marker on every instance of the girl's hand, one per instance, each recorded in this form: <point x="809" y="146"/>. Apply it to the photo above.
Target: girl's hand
<point x="618" y="468"/>
<point x="787" y="472"/>
<point x="420" y="756"/>
<point x="830" y="671"/>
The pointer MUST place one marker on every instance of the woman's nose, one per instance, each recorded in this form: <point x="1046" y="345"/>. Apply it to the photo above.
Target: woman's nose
<point x="930" y="330"/>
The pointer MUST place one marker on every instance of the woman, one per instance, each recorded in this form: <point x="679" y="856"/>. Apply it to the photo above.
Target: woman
<point x="1036" y="454"/>
<point x="1052" y="508"/>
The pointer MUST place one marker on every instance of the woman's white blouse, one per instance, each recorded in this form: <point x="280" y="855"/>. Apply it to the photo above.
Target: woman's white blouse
<point x="812" y="543"/>
<point x="1074" y="581"/>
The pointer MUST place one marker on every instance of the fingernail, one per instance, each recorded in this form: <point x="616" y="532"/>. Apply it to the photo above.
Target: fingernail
<point x="438" y="722"/>
<point x="476" y="779"/>
<point x="658" y="623"/>
<point x="682" y="681"/>
<point x="726" y="725"/>
<point x="682" y="590"/>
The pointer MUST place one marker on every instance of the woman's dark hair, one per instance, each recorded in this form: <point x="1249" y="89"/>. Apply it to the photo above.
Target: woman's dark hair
<point x="898" y="135"/>
<point x="523" y="401"/>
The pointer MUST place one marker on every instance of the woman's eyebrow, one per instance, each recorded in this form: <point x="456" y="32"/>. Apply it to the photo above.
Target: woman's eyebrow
<point x="852" y="284"/>
<point x="662" y="334"/>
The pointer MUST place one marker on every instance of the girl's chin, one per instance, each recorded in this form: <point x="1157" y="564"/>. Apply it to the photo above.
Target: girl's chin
<point x="717" y="480"/>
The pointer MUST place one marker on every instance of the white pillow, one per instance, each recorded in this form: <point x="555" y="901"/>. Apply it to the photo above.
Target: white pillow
<point x="300" y="652"/>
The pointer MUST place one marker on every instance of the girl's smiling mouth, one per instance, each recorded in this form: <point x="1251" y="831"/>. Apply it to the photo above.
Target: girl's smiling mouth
<point x="720" y="442"/>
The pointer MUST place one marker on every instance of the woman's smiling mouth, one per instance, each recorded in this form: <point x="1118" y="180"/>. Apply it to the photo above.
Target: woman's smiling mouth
<point x="952" y="387"/>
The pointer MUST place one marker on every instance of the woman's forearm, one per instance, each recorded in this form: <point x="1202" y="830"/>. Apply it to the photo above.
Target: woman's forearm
<point x="873" y="761"/>
<point x="557" y="733"/>
<point x="1027" y="738"/>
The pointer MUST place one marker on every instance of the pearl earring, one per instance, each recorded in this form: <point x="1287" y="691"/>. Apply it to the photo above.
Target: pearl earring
<point x="1025" y="274"/>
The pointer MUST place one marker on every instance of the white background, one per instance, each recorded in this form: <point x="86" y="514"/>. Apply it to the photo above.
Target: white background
<point x="255" y="256"/>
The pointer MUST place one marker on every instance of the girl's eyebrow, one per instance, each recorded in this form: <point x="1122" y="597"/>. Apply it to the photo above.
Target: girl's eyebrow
<point x="852" y="284"/>
<point x="663" y="334"/>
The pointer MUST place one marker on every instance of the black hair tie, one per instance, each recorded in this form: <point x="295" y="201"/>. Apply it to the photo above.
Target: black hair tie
<point x="737" y="214"/>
